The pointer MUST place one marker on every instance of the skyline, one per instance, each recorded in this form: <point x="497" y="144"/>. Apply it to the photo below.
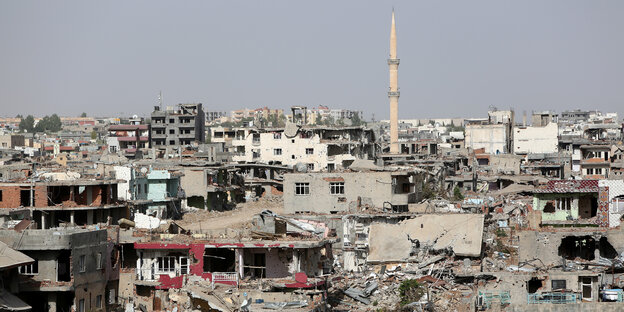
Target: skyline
<point x="456" y="59"/>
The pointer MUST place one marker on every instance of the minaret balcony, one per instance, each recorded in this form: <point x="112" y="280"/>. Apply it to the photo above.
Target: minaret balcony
<point x="394" y="93"/>
<point x="393" y="61"/>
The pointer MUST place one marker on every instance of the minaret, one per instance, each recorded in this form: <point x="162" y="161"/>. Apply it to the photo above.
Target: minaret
<point x="393" y="94"/>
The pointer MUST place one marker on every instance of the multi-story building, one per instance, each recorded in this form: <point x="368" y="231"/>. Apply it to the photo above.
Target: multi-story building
<point x="595" y="161"/>
<point x="266" y="115"/>
<point x="127" y="138"/>
<point x="11" y="140"/>
<point x="73" y="202"/>
<point x="315" y="148"/>
<point x="71" y="270"/>
<point x="574" y="116"/>
<point x="536" y="139"/>
<point x="175" y="128"/>
<point x="240" y="114"/>
<point x="350" y="192"/>
<point x="212" y="116"/>
<point x="494" y="134"/>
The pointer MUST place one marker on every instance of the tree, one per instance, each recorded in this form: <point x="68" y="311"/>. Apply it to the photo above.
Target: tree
<point x="93" y="135"/>
<point x="282" y="120"/>
<point x="330" y="120"/>
<point x="55" y="123"/>
<point x="27" y="124"/>
<point x="355" y="119"/>
<point x="457" y="195"/>
<point x="49" y="124"/>
<point x="19" y="116"/>
<point x="427" y="191"/>
<point x="83" y="115"/>
<point x="410" y="291"/>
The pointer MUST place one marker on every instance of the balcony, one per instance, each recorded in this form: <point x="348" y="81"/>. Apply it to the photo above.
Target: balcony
<point x="403" y="199"/>
<point x="552" y="297"/>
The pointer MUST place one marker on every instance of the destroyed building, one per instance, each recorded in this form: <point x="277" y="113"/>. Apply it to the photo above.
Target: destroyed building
<point x="313" y="148"/>
<point x="349" y="192"/>
<point x="172" y="129"/>
<point x="53" y="203"/>
<point x="72" y="268"/>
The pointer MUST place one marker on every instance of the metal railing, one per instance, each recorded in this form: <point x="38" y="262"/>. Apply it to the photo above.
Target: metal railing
<point x="224" y="278"/>
<point x="486" y="299"/>
<point x="552" y="297"/>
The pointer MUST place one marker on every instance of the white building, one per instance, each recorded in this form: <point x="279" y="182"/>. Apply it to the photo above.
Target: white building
<point x="317" y="148"/>
<point x="534" y="140"/>
<point x="493" y="138"/>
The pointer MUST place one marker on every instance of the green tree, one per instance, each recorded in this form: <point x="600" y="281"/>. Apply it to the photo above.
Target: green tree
<point x="427" y="191"/>
<point x="330" y="120"/>
<point x="55" y="123"/>
<point x="282" y="120"/>
<point x="49" y="124"/>
<point x="27" y="124"/>
<point x="93" y="135"/>
<point x="457" y="195"/>
<point x="410" y="291"/>
<point x="355" y="120"/>
<point x="83" y="115"/>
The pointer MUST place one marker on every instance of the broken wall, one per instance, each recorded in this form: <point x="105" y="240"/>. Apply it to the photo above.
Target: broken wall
<point x="462" y="232"/>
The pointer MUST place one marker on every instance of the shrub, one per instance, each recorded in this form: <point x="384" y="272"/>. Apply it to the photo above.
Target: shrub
<point x="410" y="291"/>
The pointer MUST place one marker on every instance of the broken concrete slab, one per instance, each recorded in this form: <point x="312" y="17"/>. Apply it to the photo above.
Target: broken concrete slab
<point x="461" y="232"/>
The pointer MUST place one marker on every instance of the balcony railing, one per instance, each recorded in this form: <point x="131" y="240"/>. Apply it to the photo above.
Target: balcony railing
<point x="224" y="278"/>
<point x="552" y="297"/>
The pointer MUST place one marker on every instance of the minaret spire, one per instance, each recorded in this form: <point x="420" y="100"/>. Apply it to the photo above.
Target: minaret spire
<point x="393" y="94"/>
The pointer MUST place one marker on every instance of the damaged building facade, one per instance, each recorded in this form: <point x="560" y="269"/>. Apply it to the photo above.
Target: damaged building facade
<point x="314" y="148"/>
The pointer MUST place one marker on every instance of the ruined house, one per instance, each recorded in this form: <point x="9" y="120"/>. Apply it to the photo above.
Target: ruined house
<point x="72" y="269"/>
<point x="340" y="192"/>
<point x="580" y="202"/>
<point x="52" y="203"/>
<point x="317" y="148"/>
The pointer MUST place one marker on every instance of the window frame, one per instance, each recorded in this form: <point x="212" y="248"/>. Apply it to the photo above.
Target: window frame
<point x="336" y="188"/>
<point x="161" y="269"/>
<point x="29" y="269"/>
<point x="302" y="188"/>
<point x="98" y="261"/>
<point x="559" y="282"/>
<point x="82" y="263"/>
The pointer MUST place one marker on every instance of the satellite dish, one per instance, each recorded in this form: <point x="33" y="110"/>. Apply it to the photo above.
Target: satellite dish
<point x="143" y="170"/>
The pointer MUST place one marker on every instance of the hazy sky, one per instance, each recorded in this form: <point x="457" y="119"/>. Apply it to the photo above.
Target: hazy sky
<point x="457" y="57"/>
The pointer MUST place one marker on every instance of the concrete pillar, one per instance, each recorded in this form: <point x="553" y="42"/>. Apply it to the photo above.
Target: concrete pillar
<point x="296" y="260"/>
<point x="43" y="221"/>
<point x="51" y="302"/>
<point x="72" y="217"/>
<point x="89" y="217"/>
<point x="238" y="252"/>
